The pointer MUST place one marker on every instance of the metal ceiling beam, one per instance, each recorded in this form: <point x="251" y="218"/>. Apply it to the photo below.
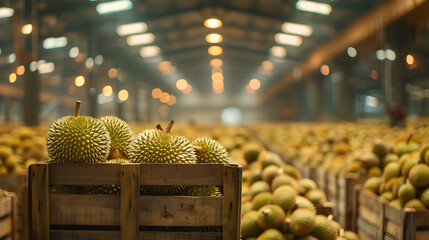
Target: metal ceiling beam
<point x="366" y="25"/>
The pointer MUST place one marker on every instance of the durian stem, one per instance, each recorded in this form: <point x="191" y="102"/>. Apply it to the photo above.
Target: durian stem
<point x="170" y="125"/>
<point x="77" y="109"/>
<point x="409" y="138"/>
<point x="159" y="127"/>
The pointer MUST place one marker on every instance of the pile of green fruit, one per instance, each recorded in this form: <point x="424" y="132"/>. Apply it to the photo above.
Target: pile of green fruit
<point x="83" y="139"/>
<point x="404" y="180"/>
<point x="278" y="205"/>
<point x="19" y="147"/>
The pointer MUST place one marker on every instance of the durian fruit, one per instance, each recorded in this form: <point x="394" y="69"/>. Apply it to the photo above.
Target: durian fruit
<point x="105" y="189"/>
<point x="210" y="151"/>
<point x="205" y="191"/>
<point x="78" y="139"/>
<point x="157" y="146"/>
<point x="121" y="136"/>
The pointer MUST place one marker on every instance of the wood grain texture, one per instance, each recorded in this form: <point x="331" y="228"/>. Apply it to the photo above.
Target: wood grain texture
<point x="84" y="174"/>
<point x="231" y="202"/>
<point x="6" y="228"/>
<point x="40" y="201"/>
<point x="79" y="209"/>
<point x="84" y="235"/>
<point x="180" y="211"/>
<point x="6" y="204"/>
<point x="181" y="174"/>
<point x="130" y="191"/>
<point x="181" y="235"/>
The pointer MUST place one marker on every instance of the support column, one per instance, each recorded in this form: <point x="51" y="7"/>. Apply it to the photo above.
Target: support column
<point x="27" y="50"/>
<point x="316" y="98"/>
<point x="345" y="109"/>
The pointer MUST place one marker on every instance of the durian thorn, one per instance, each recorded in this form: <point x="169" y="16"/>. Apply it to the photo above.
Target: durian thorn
<point x="341" y="232"/>
<point x="330" y="217"/>
<point x="198" y="148"/>
<point x="77" y="108"/>
<point x="409" y="138"/>
<point x="170" y="125"/>
<point x="159" y="127"/>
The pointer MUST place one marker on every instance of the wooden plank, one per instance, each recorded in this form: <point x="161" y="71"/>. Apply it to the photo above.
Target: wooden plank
<point x="130" y="191"/>
<point x="422" y="235"/>
<point x="40" y="201"/>
<point x="180" y="211"/>
<point x="231" y="202"/>
<point x="80" y="209"/>
<point x="102" y="235"/>
<point x="369" y="231"/>
<point x="84" y="174"/>
<point x="5" y="206"/>
<point x="422" y="217"/>
<point x="6" y="228"/>
<point x="181" y="174"/>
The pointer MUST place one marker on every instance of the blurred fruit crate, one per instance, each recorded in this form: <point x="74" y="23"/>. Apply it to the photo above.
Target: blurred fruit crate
<point x="332" y="191"/>
<point x="321" y="179"/>
<point x="8" y="217"/>
<point x="18" y="185"/>
<point x="131" y="215"/>
<point x="326" y="209"/>
<point x="369" y="213"/>
<point x="344" y="207"/>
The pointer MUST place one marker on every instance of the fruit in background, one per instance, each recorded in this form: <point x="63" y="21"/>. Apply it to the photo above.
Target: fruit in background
<point x="406" y="147"/>
<point x="302" y="202"/>
<point x="390" y="171"/>
<point x="397" y="202"/>
<point x="419" y="175"/>
<point x="369" y="159"/>
<point x="249" y="225"/>
<point x="269" y="158"/>
<point x="302" y="222"/>
<point x="408" y="164"/>
<point x="388" y="196"/>
<point x="291" y="171"/>
<point x="406" y="192"/>
<point x="270" y="216"/>
<point x="425" y="198"/>
<point x="340" y="148"/>
<point x="121" y="136"/>
<point x="424" y="155"/>
<point x="246" y="207"/>
<point x="416" y="204"/>
<point x="324" y="230"/>
<point x="261" y="200"/>
<point x="374" y="172"/>
<point x="316" y="196"/>
<point x="258" y="187"/>
<point x="307" y="184"/>
<point x="390" y="157"/>
<point x="210" y="151"/>
<point x="284" y="179"/>
<point x="78" y="139"/>
<point x="271" y="234"/>
<point x="251" y="152"/>
<point x="379" y="148"/>
<point x="285" y="197"/>
<point x="373" y="184"/>
<point x="349" y="235"/>
<point x="270" y="172"/>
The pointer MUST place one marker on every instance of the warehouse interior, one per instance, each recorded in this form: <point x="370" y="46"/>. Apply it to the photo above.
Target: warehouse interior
<point x="214" y="119"/>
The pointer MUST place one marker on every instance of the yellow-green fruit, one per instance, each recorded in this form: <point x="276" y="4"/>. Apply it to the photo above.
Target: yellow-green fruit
<point x="416" y="204"/>
<point x="397" y="202"/>
<point x="427" y="157"/>
<point x="390" y="157"/>
<point x="316" y="196"/>
<point x="270" y="172"/>
<point x="419" y="175"/>
<point x="291" y="171"/>
<point x="401" y="181"/>
<point x="373" y="184"/>
<point x="78" y="140"/>
<point x="285" y="228"/>
<point x="203" y="190"/>
<point x="271" y="234"/>
<point x="289" y="236"/>
<point x="249" y="225"/>
<point x="246" y="207"/>
<point x="244" y="191"/>
<point x="406" y="147"/>
<point x="424" y="156"/>
<point x="302" y="202"/>
<point x="5" y="152"/>
<point x="390" y="171"/>
<point x="374" y="172"/>
<point x="307" y="184"/>
<point x="379" y="148"/>
<point x="324" y="230"/>
<point x="336" y="226"/>
<point x="60" y="189"/>
<point x="270" y="216"/>
<point x="341" y="238"/>
<point x="156" y="146"/>
<point x="369" y="159"/>
<point x="269" y="158"/>
<point x="284" y="179"/>
<point x="285" y="197"/>
<point x="388" y="196"/>
<point x="251" y="152"/>
<point x="210" y="151"/>
<point x="121" y="136"/>
<point x="406" y="192"/>
<point x="262" y="199"/>
<point x="408" y="164"/>
<point x="425" y="198"/>
<point x="388" y="187"/>
<point x="255" y="176"/>
<point x="258" y="187"/>
<point x="349" y="235"/>
<point x="302" y="222"/>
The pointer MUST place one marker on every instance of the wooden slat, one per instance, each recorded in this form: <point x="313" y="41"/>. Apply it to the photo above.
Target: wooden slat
<point x="103" y="235"/>
<point x="40" y="201"/>
<point x="231" y="202"/>
<point x="367" y="229"/>
<point x="130" y="191"/>
<point x="84" y="174"/>
<point x="393" y="229"/>
<point x="5" y="206"/>
<point x="180" y="211"/>
<point x="181" y="174"/>
<point x="70" y="209"/>
<point x="422" y="219"/>
<point x="6" y="227"/>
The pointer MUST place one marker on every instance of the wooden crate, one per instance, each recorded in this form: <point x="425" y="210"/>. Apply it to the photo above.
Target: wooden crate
<point x="8" y="215"/>
<point x="369" y="212"/>
<point x="345" y="198"/>
<point x="326" y="209"/>
<point x="18" y="185"/>
<point x="332" y="190"/>
<point x="309" y="171"/>
<point x="321" y="179"/>
<point x="131" y="215"/>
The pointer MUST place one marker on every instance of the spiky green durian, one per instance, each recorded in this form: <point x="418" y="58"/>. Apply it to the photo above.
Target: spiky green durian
<point x="78" y="139"/>
<point x="105" y="189"/>
<point x="205" y="191"/>
<point x="156" y="146"/>
<point x="121" y="136"/>
<point x="210" y="151"/>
